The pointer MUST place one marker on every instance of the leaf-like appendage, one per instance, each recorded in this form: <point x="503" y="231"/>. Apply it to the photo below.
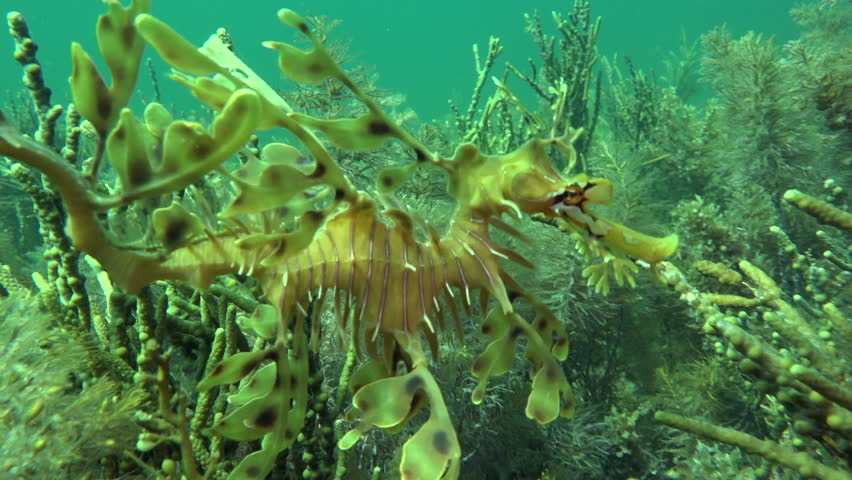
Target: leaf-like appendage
<point x="289" y="17"/>
<point x="190" y="152"/>
<point x="233" y="368"/>
<point x="390" y="179"/>
<point x="175" y="49"/>
<point x="255" y="465"/>
<point x="121" y="47"/>
<point x="265" y="321"/>
<point x="365" y="133"/>
<point x="259" y="384"/>
<point x="385" y="403"/>
<point x="495" y="360"/>
<point x="306" y="67"/>
<point x="91" y="95"/>
<point x="128" y="152"/>
<point x="174" y="225"/>
<point x="241" y="423"/>
<point x="498" y="356"/>
<point x="432" y="453"/>
<point x="551" y="395"/>
<point x="157" y="119"/>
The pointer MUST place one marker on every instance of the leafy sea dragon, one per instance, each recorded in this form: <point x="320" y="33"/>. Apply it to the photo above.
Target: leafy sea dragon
<point x="308" y="236"/>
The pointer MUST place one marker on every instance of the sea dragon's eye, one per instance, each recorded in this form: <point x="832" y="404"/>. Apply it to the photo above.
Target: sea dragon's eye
<point x="572" y="195"/>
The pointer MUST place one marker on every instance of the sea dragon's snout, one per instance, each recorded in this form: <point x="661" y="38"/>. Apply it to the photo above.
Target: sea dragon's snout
<point x="572" y="206"/>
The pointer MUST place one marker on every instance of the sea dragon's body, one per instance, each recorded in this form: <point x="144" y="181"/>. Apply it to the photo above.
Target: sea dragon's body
<point x="306" y="235"/>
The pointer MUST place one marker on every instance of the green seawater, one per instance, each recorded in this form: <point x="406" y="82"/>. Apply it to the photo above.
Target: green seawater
<point x="422" y="50"/>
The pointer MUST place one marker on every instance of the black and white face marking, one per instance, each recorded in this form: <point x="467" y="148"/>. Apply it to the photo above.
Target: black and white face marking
<point x="571" y="205"/>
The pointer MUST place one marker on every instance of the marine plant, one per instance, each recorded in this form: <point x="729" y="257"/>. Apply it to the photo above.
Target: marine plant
<point x="42" y="408"/>
<point x="312" y="240"/>
<point x="795" y="349"/>
<point x="561" y="78"/>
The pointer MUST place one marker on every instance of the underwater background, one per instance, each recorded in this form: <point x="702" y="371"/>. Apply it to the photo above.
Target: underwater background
<point x="420" y="50"/>
<point x="679" y="308"/>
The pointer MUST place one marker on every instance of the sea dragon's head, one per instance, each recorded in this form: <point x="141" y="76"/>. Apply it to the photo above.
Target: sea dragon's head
<point x="525" y="181"/>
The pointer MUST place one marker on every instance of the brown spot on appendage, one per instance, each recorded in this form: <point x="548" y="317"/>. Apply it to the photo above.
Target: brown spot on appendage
<point x="441" y="442"/>
<point x="105" y="22"/>
<point x="202" y="148"/>
<point x="486" y="329"/>
<point x="238" y="110"/>
<point x="358" y="386"/>
<point x="272" y="175"/>
<point x="119" y="133"/>
<point x="551" y="373"/>
<point x="128" y="35"/>
<point x="413" y="384"/>
<point x="217" y="371"/>
<point x="294" y="382"/>
<point x="104" y="103"/>
<point x="560" y="342"/>
<point x="387" y="181"/>
<point x="289" y="435"/>
<point x="175" y="232"/>
<point x="138" y="172"/>
<point x="314" y="216"/>
<point x="339" y="194"/>
<point x="378" y="128"/>
<point x="253" y="471"/>
<point x="362" y="405"/>
<point x="315" y="68"/>
<point x="319" y="171"/>
<point x="247" y="368"/>
<point x="515" y="333"/>
<point x="303" y="27"/>
<point x="266" y="418"/>
<point x="282" y="247"/>
<point x="543" y="323"/>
